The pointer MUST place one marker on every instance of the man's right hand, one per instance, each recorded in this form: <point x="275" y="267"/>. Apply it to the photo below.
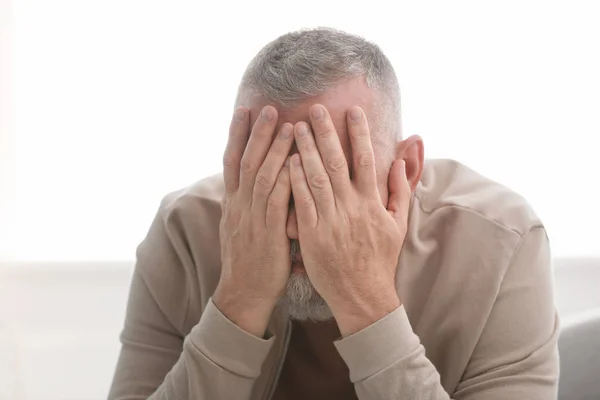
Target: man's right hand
<point x="255" y="249"/>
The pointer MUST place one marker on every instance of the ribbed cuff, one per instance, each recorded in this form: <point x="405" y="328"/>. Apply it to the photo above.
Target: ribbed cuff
<point x="228" y="345"/>
<point x="378" y="346"/>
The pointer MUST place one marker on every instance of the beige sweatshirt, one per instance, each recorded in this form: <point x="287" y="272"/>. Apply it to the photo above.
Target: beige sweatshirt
<point x="478" y="320"/>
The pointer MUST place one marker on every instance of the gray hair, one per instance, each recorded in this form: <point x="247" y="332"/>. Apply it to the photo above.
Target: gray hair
<point x="301" y="301"/>
<point x="306" y="63"/>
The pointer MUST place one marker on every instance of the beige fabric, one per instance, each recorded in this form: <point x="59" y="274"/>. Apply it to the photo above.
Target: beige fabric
<point x="478" y="320"/>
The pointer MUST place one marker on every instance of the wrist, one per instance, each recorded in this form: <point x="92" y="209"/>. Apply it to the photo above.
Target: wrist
<point x="363" y="312"/>
<point x="249" y="313"/>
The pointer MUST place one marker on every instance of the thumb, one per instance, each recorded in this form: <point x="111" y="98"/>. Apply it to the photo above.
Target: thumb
<point x="399" y="200"/>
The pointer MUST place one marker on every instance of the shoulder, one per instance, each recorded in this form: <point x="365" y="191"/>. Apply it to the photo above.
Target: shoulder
<point x="205" y="193"/>
<point x="465" y="224"/>
<point x="185" y="230"/>
<point x="186" y="223"/>
<point x="476" y="256"/>
<point x="448" y="186"/>
<point x="194" y="210"/>
<point x="190" y="218"/>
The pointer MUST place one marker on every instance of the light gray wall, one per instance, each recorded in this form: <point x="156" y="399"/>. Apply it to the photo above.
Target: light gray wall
<point x="577" y="283"/>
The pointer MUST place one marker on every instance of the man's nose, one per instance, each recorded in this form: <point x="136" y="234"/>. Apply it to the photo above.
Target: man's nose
<point x="292" y="224"/>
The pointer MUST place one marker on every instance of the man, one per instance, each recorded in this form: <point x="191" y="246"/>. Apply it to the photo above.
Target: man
<point x="330" y="261"/>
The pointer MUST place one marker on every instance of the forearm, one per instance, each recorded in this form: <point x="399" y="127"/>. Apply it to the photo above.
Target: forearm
<point x="219" y="361"/>
<point x="387" y="361"/>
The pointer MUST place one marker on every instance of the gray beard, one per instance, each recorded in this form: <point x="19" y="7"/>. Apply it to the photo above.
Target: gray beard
<point x="301" y="301"/>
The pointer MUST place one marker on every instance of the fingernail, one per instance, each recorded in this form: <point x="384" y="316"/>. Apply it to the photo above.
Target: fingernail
<point x="267" y="113"/>
<point x="240" y="113"/>
<point x="355" y="114"/>
<point x="287" y="162"/>
<point x="302" y="128"/>
<point x="317" y="112"/>
<point x="296" y="160"/>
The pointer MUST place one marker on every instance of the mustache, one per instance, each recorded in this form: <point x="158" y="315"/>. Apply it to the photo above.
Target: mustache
<point x="294" y="250"/>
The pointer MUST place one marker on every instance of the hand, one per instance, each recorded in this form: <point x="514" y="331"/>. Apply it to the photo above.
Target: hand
<point x="255" y="249"/>
<point x="350" y="241"/>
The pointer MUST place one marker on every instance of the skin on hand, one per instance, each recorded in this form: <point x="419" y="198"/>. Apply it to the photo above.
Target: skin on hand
<point x="350" y="241"/>
<point x="358" y="299"/>
<point x="255" y="249"/>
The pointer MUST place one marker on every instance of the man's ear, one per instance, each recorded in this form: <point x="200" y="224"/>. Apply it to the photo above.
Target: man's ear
<point x="411" y="150"/>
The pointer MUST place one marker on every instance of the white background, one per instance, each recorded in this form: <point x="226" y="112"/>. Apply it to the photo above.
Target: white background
<point x="119" y="101"/>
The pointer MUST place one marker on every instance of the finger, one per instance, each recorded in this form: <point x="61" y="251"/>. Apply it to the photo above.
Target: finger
<point x="306" y="211"/>
<point x="238" y="137"/>
<point x="269" y="171"/>
<point x="314" y="171"/>
<point x="363" y="158"/>
<point x="257" y="148"/>
<point x="399" y="187"/>
<point x="279" y="199"/>
<point x="330" y="149"/>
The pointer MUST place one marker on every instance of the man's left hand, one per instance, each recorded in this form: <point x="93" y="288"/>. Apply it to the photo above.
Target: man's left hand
<point x="350" y="241"/>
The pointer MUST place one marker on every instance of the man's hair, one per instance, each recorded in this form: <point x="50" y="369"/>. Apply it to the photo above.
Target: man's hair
<point x="306" y="63"/>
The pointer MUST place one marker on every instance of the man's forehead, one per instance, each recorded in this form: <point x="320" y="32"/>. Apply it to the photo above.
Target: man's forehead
<point x="337" y="100"/>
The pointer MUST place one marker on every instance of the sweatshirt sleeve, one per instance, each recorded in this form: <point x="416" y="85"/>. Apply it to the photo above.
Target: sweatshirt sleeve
<point x="516" y="356"/>
<point x="217" y="360"/>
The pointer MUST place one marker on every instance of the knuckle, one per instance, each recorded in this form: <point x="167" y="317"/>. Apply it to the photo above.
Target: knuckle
<point x="319" y="181"/>
<point x="361" y="133"/>
<point x="263" y="179"/>
<point x="229" y="203"/>
<point x="274" y="203"/>
<point x="224" y="202"/>
<point x="336" y="164"/>
<point x="353" y="214"/>
<point x="305" y="201"/>
<point x="323" y="133"/>
<point x="372" y="209"/>
<point x="305" y="144"/>
<point x="230" y="161"/>
<point x="364" y="161"/>
<point x="283" y="178"/>
<point x="247" y="166"/>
